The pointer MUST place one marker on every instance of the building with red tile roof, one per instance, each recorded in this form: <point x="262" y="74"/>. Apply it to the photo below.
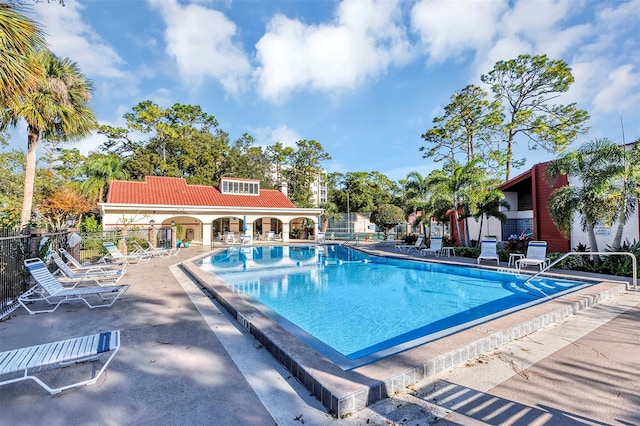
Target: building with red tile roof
<point x="204" y="211"/>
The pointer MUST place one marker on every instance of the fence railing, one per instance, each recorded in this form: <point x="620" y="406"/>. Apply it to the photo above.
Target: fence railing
<point x="14" y="249"/>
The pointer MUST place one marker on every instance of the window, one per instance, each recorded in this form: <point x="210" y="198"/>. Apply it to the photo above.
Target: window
<point x="239" y="187"/>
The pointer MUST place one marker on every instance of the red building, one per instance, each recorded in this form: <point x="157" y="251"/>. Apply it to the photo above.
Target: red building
<point x="528" y="194"/>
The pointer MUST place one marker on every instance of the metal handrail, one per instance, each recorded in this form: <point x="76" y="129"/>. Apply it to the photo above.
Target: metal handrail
<point x="634" y="280"/>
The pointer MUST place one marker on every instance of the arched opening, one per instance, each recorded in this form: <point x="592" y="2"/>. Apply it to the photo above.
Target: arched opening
<point x="267" y="228"/>
<point x="302" y="228"/>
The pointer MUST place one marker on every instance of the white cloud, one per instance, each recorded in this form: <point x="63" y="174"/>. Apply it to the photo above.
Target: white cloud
<point x="202" y="41"/>
<point x="364" y="41"/>
<point x="284" y="134"/>
<point x="449" y="28"/>
<point x="69" y="36"/>
<point x="620" y="92"/>
<point x="504" y="49"/>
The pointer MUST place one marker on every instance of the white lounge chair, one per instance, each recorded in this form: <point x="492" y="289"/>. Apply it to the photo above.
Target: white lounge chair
<point x="151" y="252"/>
<point x="49" y="289"/>
<point x="117" y="255"/>
<point x="536" y="255"/>
<point x="73" y="263"/>
<point x="172" y="251"/>
<point x="434" y="248"/>
<point x="390" y="240"/>
<point x="419" y="245"/>
<point x="320" y="238"/>
<point x="112" y="275"/>
<point x="34" y="359"/>
<point x="488" y="250"/>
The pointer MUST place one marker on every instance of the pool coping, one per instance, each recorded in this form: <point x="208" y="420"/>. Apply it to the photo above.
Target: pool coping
<point x="345" y="392"/>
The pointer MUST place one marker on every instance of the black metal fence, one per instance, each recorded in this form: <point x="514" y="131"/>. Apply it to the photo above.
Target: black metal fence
<point x="16" y="247"/>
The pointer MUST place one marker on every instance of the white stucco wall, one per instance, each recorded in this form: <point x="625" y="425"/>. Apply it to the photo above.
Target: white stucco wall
<point x="492" y="226"/>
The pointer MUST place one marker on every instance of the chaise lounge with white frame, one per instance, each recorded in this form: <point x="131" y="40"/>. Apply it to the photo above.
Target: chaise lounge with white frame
<point x="48" y="289"/>
<point x="111" y="275"/>
<point x="418" y="245"/>
<point x="117" y="256"/>
<point x="488" y="250"/>
<point x="73" y="263"/>
<point x="434" y="248"/>
<point x="536" y="255"/>
<point x="23" y="364"/>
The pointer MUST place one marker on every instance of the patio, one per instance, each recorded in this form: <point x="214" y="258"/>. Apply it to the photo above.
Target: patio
<point x="183" y="360"/>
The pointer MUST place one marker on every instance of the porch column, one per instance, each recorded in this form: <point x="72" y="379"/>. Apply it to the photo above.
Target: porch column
<point x="206" y="233"/>
<point x="285" y="232"/>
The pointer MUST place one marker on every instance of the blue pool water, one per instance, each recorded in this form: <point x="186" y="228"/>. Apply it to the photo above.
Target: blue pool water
<point x="365" y="307"/>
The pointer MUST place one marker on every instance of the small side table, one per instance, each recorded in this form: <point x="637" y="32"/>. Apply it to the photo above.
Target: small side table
<point x="513" y="257"/>
<point x="446" y="250"/>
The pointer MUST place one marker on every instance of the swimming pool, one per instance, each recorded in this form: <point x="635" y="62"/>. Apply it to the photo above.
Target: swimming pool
<point x="355" y="308"/>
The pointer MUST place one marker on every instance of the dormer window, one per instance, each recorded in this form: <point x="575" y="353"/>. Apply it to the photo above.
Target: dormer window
<point x="239" y="186"/>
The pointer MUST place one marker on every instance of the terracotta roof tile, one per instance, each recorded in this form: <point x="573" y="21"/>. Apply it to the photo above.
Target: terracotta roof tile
<point x="176" y="192"/>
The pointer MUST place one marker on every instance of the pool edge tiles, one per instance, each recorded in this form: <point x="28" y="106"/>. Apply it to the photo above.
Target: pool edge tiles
<point x="344" y="392"/>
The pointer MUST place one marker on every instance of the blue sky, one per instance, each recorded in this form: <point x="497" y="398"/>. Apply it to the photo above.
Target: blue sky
<point x="365" y="78"/>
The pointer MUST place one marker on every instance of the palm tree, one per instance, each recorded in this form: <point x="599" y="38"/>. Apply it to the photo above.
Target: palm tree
<point x="331" y="212"/>
<point x="100" y="170"/>
<point x="57" y="108"/>
<point x="628" y="189"/>
<point x="20" y="37"/>
<point x="416" y="195"/>
<point x="489" y="202"/>
<point x="457" y="182"/>
<point x="597" y="165"/>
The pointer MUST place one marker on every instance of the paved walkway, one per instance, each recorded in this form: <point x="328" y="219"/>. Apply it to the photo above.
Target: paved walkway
<point x="183" y="360"/>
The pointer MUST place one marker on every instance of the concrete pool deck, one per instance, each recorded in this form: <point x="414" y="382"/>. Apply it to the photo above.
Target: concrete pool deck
<point x="184" y="360"/>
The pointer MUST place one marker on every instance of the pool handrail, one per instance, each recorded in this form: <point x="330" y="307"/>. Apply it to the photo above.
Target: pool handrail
<point x="634" y="279"/>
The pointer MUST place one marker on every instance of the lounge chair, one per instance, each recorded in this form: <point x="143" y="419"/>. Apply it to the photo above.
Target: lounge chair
<point x="390" y="240"/>
<point x="50" y="290"/>
<point x="151" y="252"/>
<point x="171" y="251"/>
<point x="34" y="359"/>
<point x="536" y="255"/>
<point x="320" y="238"/>
<point x="435" y="247"/>
<point x="73" y="263"/>
<point x="488" y="250"/>
<point x="112" y="275"/>
<point x="117" y="256"/>
<point x="419" y="245"/>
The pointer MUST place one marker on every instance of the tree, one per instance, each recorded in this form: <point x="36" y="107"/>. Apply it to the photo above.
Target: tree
<point x="455" y="183"/>
<point x="596" y="165"/>
<point x="278" y="155"/>
<point x="183" y="141"/>
<point x="627" y="189"/>
<point x="20" y="38"/>
<point x="465" y="129"/>
<point x="366" y="191"/>
<point x="386" y="216"/>
<point x="63" y="204"/>
<point x="416" y="195"/>
<point x="331" y="212"/>
<point x="488" y="202"/>
<point x="67" y="164"/>
<point x="99" y="170"/>
<point x="304" y="166"/>
<point x="526" y="86"/>
<point x="11" y="180"/>
<point x="57" y="108"/>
